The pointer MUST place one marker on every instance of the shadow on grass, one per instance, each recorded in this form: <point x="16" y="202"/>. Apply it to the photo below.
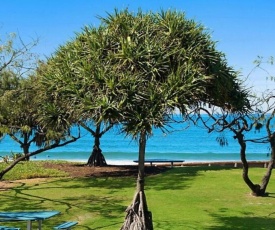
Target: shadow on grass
<point x="179" y="177"/>
<point x="26" y="197"/>
<point x="156" y="178"/>
<point x="175" y="178"/>
<point x="270" y="194"/>
<point x="243" y="223"/>
<point x="224" y="223"/>
<point x="108" y="205"/>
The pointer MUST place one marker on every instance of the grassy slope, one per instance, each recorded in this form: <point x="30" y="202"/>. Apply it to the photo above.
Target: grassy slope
<point x="182" y="198"/>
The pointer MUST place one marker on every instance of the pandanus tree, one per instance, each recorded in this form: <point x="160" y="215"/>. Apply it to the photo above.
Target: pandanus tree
<point x="16" y="60"/>
<point x="24" y="115"/>
<point x="137" y="69"/>
<point x="30" y="118"/>
<point x="161" y="62"/>
<point x="76" y="73"/>
<point x="16" y="119"/>
<point x="8" y="81"/>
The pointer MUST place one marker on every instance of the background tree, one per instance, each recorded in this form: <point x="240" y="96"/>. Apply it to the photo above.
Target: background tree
<point x="77" y="71"/>
<point x="29" y="120"/>
<point x="16" y="115"/>
<point x="161" y="62"/>
<point x="260" y="123"/>
<point x="240" y="125"/>
<point x="21" y="102"/>
<point x="259" y="118"/>
<point x="16" y="59"/>
<point x="16" y="55"/>
<point x="263" y="119"/>
<point x="8" y="81"/>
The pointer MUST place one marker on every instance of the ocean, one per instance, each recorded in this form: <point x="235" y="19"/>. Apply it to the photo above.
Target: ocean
<point x="191" y="145"/>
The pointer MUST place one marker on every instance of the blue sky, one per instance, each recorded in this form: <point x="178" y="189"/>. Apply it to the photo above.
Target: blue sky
<point x="243" y="29"/>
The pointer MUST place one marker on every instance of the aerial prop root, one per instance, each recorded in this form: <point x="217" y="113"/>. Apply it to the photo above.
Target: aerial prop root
<point x="138" y="217"/>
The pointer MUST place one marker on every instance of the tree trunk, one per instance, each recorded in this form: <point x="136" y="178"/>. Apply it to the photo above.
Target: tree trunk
<point x="255" y="188"/>
<point x="26" y="147"/>
<point x="137" y="215"/>
<point x="14" y="163"/>
<point x="266" y="177"/>
<point x="96" y="158"/>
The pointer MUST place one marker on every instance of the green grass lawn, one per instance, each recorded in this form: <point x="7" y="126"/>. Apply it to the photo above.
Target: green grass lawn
<point x="180" y="198"/>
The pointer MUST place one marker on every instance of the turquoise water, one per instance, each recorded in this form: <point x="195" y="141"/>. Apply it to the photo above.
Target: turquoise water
<point x="192" y="144"/>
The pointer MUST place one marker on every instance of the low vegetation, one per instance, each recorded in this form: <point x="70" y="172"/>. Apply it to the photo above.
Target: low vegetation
<point x="31" y="169"/>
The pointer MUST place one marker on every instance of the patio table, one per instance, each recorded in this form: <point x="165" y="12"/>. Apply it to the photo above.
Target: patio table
<point x="28" y="216"/>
